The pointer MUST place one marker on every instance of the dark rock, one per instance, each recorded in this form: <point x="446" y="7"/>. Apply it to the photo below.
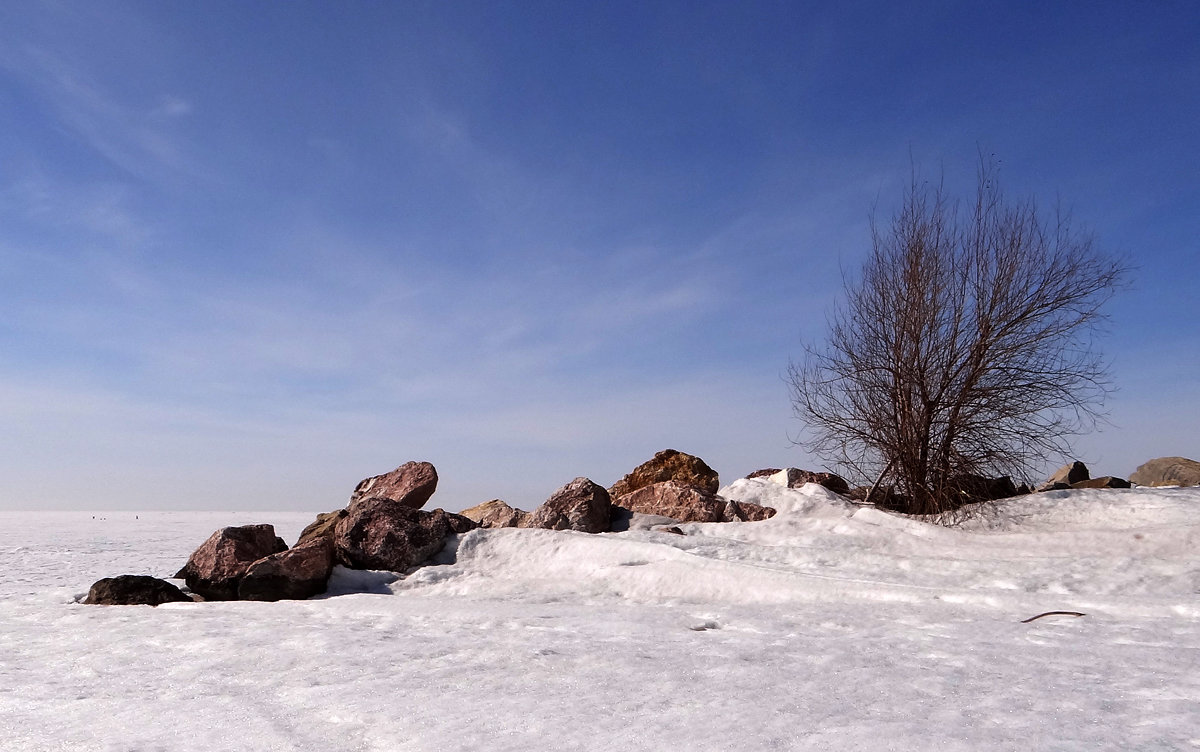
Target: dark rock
<point x="885" y="497"/>
<point x="971" y="489"/>
<point x="580" y="505"/>
<point x="672" y="529"/>
<point x="1168" y="471"/>
<point x="495" y="513"/>
<point x="459" y="523"/>
<point x="300" y="572"/>
<point x="411" y="485"/>
<point x="1105" y="481"/>
<point x="323" y="527"/>
<point x="689" y="504"/>
<point x="668" y="465"/>
<point x="379" y="533"/>
<point x="764" y="473"/>
<point x="215" y="569"/>
<point x="134" y="590"/>
<point x="794" y="478"/>
<point x="1065" y="476"/>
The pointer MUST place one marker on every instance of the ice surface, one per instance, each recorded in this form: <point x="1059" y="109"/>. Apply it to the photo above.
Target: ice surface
<point x="829" y="626"/>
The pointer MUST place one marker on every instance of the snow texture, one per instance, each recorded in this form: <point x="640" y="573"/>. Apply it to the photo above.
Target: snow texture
<point x="829" y="626"/>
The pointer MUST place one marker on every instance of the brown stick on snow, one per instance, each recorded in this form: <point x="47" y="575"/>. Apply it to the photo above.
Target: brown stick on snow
<point x="1052" y="613"/>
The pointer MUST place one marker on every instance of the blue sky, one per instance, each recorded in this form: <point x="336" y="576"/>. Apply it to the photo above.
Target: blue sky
<point x="253" y="252"/>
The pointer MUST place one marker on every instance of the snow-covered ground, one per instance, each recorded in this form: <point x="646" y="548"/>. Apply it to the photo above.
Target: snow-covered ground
<point x="826" y="627"/>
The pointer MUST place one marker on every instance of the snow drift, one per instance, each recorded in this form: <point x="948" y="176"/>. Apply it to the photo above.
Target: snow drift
<point x="828" y="626"/>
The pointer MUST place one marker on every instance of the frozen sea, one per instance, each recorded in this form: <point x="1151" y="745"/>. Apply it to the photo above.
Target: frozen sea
<point x="828" y="626"/>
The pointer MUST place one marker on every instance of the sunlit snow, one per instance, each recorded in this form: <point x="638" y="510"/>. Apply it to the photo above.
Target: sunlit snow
<point x="829" y="626"/>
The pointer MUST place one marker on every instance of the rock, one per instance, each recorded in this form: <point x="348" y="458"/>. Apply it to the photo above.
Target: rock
<point x="741" y="511"/>
<point x="300" y="572"/>
<point x="323" y="527"/>
<point x="495" y="513"/>
<point x="794" y="478"/>
<point x="1168" y="471"/>
<point x="972" y="489"/>
<point x="1065" y="476"/>
<point x="411" y="485"/>
<point x="764" y="473"/>
<point x="668" y="465"/>
<point x="885" y="497"/>
<point x="580" y="505"/>
<point x="689" y="504"/>
<point x="380" y="533"/>
<point x="134" y="590"/>
<point x="215" y="569"/>
<point x="1106" y="481"/>
<point x="459" y="524"/>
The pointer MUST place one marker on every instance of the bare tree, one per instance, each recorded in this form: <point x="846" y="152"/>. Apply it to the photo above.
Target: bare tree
<point x="964" y="349"/>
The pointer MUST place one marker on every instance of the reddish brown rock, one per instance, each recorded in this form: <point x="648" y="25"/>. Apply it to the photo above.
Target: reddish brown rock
<point x="689" y="504"/>
<point x="134" y="590"/>
<point x="322" y="527"/>
<point x="300" y="572"/>
<point x="215" y="569"/>
<point x="672" y="465"/>
<point x="410" y="485"/>
<point x="379" y="533"/>
<point x="496" y="513"/>
<point x="740" y="511"/>
<point x="794" y="478"/>
<point x="580" y="505"/>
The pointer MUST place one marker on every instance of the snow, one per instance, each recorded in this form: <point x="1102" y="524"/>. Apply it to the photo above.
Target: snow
<point x="829" y="626"/>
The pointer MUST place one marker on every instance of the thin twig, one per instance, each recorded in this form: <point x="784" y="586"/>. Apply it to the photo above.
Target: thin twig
<point x="1052" y="613"/>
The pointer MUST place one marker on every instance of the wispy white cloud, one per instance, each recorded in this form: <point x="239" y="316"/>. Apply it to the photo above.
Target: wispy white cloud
<point x="134" y="139"/>
<point x="172" y="107"/>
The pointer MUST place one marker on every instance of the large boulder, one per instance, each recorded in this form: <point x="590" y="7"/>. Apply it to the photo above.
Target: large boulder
<point x="134" y="590"/>
<point x="300" y="572"/>
<point x="216" y="568"/>
<point x="381" y="533"/>
<point x="580" y="505"/>
<point x="689" y="504"/>
<point x="1065" y="476"/>
<point x="1168" y="471"/>
<point x="668" y="464"/>
<point x="794" y="478"/>
<point x="495" y="513"/>
<point x="323" y="527"/>
<point x="410" y="485"/>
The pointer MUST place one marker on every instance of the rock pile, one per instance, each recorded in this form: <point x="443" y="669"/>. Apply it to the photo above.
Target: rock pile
<point x="385" y="527"/>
